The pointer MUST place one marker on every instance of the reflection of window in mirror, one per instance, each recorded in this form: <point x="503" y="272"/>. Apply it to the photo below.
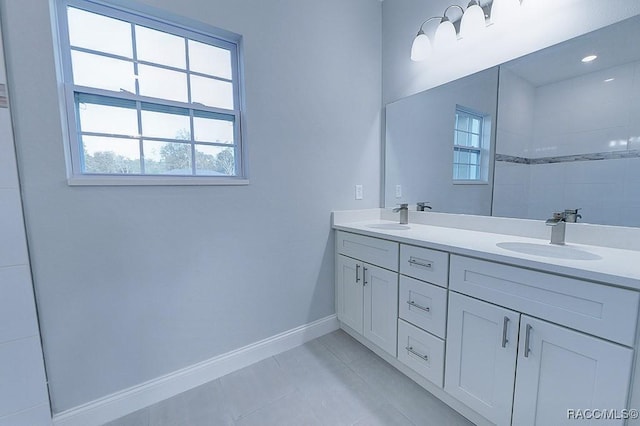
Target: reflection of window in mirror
<point x="471" y="146"/>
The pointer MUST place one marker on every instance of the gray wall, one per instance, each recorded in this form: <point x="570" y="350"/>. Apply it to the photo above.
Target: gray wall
<point x="136" y="282"/>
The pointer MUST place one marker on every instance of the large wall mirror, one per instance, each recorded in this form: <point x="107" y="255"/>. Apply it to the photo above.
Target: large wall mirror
<point x="549" y="131"/>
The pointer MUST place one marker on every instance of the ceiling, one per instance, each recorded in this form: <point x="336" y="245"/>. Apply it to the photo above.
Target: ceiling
<point x="615" y="44"/>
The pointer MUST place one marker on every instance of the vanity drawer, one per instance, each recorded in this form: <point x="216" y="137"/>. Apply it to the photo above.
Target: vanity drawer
<point x="375" y="251"/>
<point x="421" y="351"/>
<point x="424" y="305"/>
<point x="424" y="264"/>
<point x="597" y="309"/>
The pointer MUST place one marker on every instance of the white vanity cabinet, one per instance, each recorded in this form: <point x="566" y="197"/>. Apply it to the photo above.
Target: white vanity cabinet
<point x="557" y="368"/>
<point x="482" y="345"/>
<point x="367" y="294"/>
<point x="561" y="369"/>
<point x="502" y="344"/>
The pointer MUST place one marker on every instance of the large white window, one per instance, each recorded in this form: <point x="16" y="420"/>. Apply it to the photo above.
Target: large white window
<point x="149" y="101"/>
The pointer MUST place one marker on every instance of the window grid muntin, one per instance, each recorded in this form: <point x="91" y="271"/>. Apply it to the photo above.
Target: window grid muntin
<point x="159" y="24"/>
<point x="459" y="149"/>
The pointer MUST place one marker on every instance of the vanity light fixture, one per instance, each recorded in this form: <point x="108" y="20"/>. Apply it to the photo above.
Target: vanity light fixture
<point x="472" y="21"/>
<point x="589" y="58"/>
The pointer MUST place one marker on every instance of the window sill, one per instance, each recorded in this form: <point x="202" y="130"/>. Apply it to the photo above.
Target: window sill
<point x="470" y="182"/>
<point x="155" y="181"/>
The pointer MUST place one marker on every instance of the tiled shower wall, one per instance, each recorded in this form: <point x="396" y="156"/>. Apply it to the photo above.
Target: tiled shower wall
<point x="23" y="391"/>
<point x="589" y="159"/>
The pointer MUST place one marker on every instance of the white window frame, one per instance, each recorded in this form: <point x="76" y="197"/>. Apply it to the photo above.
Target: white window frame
<point x="171" y="24"/>
<point x="483" y="151"/>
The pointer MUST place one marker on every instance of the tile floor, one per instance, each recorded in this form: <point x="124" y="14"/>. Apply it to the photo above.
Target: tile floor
<point x="333" y="380"/>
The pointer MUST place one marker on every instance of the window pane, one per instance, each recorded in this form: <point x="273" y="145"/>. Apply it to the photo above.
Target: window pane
<point x="462" y="122"/>
<point x="108" y="119"/>
<point x="102" y="72"/>
<point x="163" y="125"/>
<point x="110" y="155"/>
<point x="167" y="158"/>
<point x="474" y="158"/>
<point x="475" y="125"/>
<point x="474" y="141"/>
<point x="209" y="59"/>
<point x="456" y="171"/>
<point x="211" y="92"/>
<point x="464" y="157"/>
<point x="211" y="130"/>
<point x="215" y="160"/>
<point x="97" y="32"/>
<point x="474" y="172"/>
<point x="160" y="47"/>
<point x="160" y="83"/>
<point x="461" y="138"/>
<point x="463" y="171"/>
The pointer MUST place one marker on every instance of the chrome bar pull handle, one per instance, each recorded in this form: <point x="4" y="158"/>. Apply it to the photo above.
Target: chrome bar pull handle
<point x="416" y="353"/>
<point x="416" y="262"/>
<point x="527" y="340"/>
<point x="357" y="275"/>
<point x="505" y="325"/>
<point x="364" y="275"/>
<point x="415" y="305"/>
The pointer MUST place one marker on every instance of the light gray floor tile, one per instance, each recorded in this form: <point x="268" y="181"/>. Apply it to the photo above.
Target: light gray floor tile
<point x="384" y="415"/>
<point x="345" y="347"/>
<point x="255" y="386"/>
<point x="308" y="359"/>
<point x="331" y="381"/>
<point x="137" y="418"/>
<point x="418" y="405"/>
<point x="202" y="406"/>
<point x="290" y="410"/>
<point x="339" y="397"/>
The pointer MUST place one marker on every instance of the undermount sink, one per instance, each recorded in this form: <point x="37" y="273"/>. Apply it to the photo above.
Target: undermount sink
<point x="389" y="226"/>
<point x="548" y="250"/>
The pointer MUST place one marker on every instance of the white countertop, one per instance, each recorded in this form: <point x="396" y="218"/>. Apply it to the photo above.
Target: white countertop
<point x="613" y="266"/>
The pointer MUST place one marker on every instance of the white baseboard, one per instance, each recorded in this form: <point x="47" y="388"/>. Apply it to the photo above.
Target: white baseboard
<point x="121" y="403"/>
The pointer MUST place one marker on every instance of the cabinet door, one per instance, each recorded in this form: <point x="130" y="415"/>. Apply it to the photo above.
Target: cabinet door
<point x="482" y="344"/>
<point x="349" y="290"/>
<point x="561" y="369"/>
<point x="381" y="307"/>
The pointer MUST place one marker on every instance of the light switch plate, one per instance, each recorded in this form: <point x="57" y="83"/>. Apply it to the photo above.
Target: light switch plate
<point x="359" y="192"/>
<point x="398" y="191"/>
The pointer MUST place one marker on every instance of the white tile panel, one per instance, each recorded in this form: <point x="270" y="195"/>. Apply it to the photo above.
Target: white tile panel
<point x="17" y="308"/>
<point x="13" y="247"/>
<point x="23" y="379"/>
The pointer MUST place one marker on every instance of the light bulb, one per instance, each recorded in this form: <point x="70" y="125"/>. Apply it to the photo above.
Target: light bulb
<point x="421" y="47"/>
<point x="472" y="21"/>
<point x="504" y="10"/>
<point x="445" y="35"/>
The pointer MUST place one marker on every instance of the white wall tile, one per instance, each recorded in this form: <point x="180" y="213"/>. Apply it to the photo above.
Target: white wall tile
<point x="17" y="308"/>
<point x="23" y="380"/>
<point x="37" y="416"/>
<point x="13" y="247"/>
<point x="596" y="171"/>
<point x="8" y="171"/>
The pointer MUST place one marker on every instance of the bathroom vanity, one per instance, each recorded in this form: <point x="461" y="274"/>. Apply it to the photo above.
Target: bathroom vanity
<point x="489" y="317"/>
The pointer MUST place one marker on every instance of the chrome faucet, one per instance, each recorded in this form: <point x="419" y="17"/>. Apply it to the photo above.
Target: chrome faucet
<point x="571" y="215"/>
<point x="558" y="226"/>
<point x="404" y="213"/>
<point x="422" y="205"/>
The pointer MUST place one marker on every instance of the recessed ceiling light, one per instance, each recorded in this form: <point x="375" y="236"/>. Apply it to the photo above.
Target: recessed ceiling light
<point x="589" y="58"/>
<point x="609" y="79"/>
